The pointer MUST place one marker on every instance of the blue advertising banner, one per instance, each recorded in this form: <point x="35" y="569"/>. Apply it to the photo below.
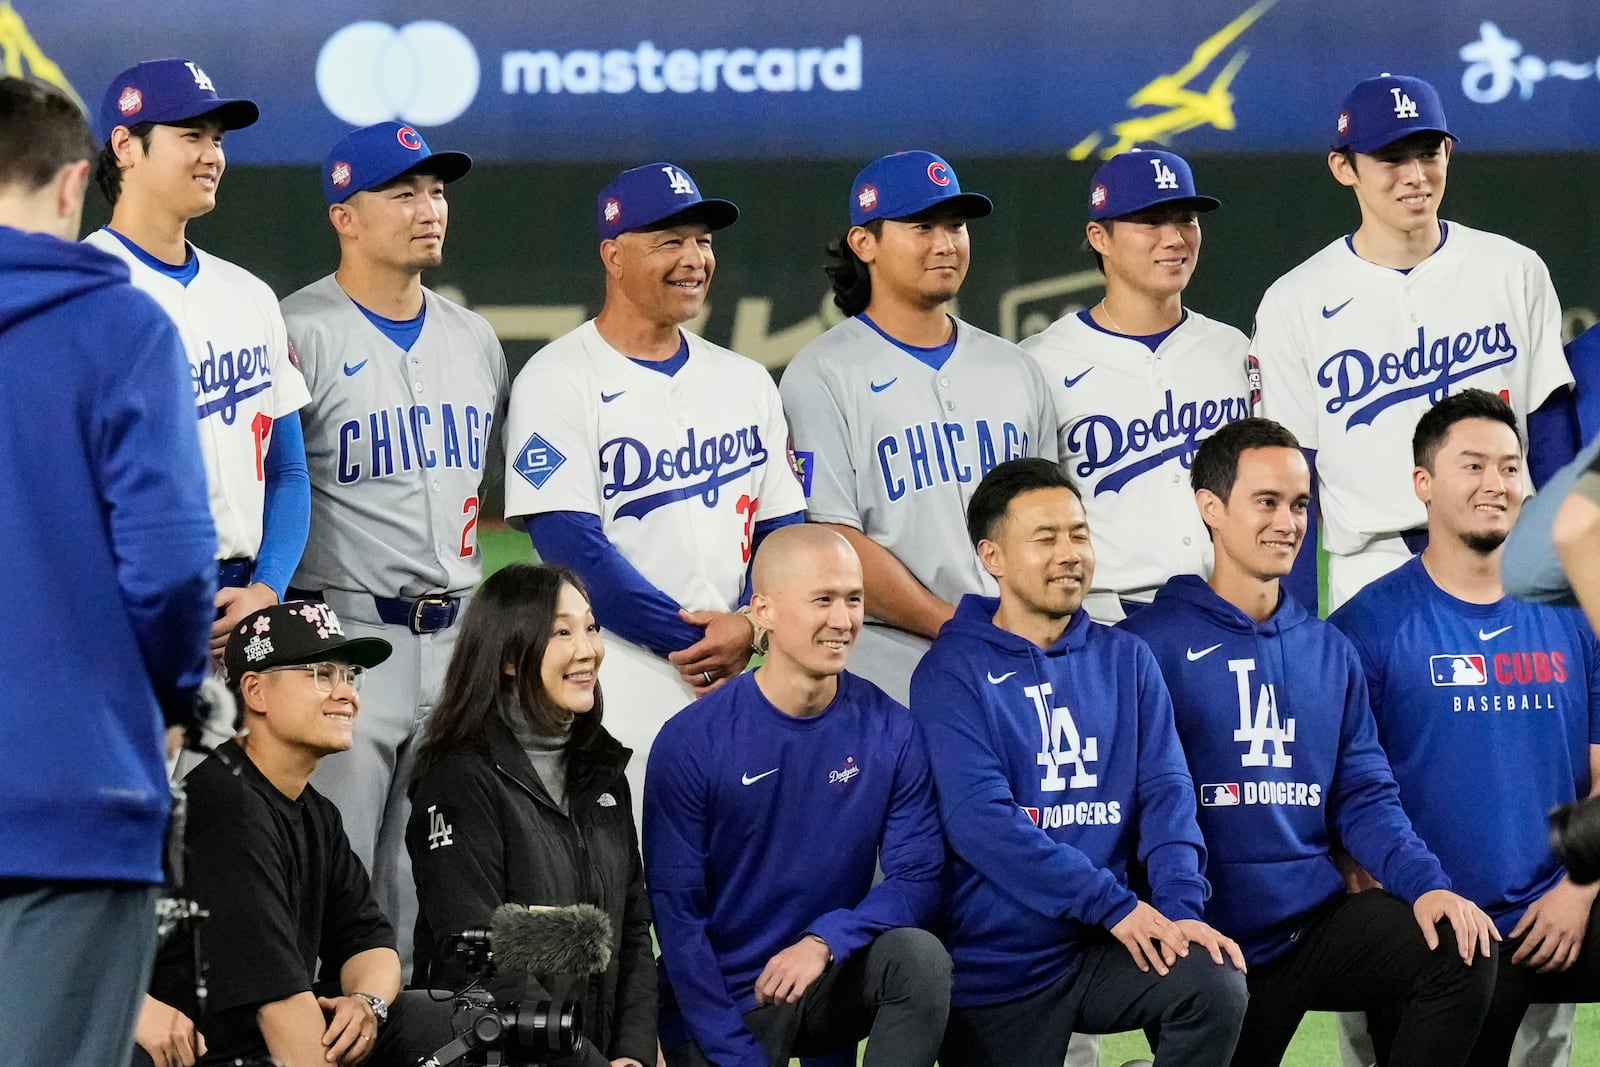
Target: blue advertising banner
<point x="596" y="80"/>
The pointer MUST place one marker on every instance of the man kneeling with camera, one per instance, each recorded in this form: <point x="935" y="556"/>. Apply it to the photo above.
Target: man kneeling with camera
<point x="268" y="858"/>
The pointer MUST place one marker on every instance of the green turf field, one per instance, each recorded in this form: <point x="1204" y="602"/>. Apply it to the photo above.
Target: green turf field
<point x="1316" y="1045"/>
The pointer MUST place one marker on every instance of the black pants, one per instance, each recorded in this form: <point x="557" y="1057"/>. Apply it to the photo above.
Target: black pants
<point x="895" y="993"/>
<point x="1198" y="1005"/>
<point x="418" y="1026"/>
<point x="1366" y="953"/>
<point x="1516" y="987"/>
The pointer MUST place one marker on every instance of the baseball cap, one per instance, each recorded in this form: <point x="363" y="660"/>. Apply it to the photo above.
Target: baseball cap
<point x="639" y="198"/>
<point x="909" y="183"/>
<point x="296" y="632"/>
<point x="1137" y="179"/>
<point x="1382" y="110"/>
<point x="167" y="91"/>
<point x="372" y="155"/>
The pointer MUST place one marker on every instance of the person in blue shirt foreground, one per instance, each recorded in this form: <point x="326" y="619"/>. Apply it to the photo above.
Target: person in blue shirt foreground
<point x="1463" y="677"/>
<point x="1062" y="786"/>
<point x="1272" y="710"/>
<point x="768" y="804"/>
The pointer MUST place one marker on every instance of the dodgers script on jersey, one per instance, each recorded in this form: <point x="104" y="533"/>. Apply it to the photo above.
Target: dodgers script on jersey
<point x="397" y="442"/>
<point x="243" y="377"/>
<point x="679" y="469"/>
<point x="1351" y="354"/>
<point x="894" y="448"/>
<point x="1130" y="421"/>
<point x="1487" y="712"/>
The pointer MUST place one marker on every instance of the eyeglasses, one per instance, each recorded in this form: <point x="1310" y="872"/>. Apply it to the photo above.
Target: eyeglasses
<point x="327" y="675"/>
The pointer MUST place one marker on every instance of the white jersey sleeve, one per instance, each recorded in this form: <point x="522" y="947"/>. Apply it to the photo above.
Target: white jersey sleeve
<point x="678" y="468"/>
<point x="1278" y="354"/>
<point x="244" y="376"/>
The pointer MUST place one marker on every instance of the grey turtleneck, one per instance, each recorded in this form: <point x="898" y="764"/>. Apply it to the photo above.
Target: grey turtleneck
<point x="547" y="752"/>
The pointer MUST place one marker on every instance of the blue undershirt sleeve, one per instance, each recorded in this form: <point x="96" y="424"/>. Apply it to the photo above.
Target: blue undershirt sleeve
<point x="1553" y="437"/>
<point x="286" y="517"/>
<point x="758" y="535"/>
<point x="1301" y="582"/>
<point x="624" y="601"/>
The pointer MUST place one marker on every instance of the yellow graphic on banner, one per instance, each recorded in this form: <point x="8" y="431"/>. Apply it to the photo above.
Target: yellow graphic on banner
<point x="1184" y="108"/>
<point x="21" y="57"/>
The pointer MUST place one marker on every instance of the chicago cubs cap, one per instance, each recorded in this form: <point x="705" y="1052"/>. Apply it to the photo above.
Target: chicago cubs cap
<point x="1382" y="110"/>
<point x="909" y="183"/>
<point x="168" y="91"/>
<point x="1137" y="179"/>
<point x="372" y="155"/>
<point x="643" y="197"/>
<point x="296" y="632"/>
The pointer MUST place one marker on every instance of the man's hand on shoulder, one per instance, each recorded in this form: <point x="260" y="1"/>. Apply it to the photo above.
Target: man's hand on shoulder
<point x="1222" y="948"/>
<point x="167" y="1035"/>
<point x="234" y="605"/>
<point x="790" y="973"/>
<point x="1142" y="930"/>
<point x="723" y="653"/>
<point x="352" y="1029"/>
<point x="1555" y="925"/>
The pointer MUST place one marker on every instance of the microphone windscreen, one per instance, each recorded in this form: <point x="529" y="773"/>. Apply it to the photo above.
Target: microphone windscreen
<point x="532" y="942"/>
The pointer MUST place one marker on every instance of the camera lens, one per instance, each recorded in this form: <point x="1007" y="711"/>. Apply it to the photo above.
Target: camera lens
<point x="1575" y="839"/>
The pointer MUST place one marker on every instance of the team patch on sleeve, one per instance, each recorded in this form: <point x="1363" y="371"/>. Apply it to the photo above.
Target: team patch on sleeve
<point x="538" y="460"/>
<point x="802" y="463"/>
<point x="294" y="357"/>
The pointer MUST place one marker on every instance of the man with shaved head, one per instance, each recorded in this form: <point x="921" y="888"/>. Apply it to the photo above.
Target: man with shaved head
<point x="768" y="805"/>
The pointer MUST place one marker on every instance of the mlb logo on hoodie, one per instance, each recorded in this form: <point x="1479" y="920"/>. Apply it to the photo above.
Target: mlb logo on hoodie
<point x="1219" y="795"/>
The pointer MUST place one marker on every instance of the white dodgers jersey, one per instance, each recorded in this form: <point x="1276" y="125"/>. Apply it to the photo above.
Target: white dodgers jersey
<point x="895" y="449"/>
<point x="243" y="373"/>
<point x="398" y="444"/>
<point x="1351" y="354"/>
<point x="1130" y="421"/>
<point x="679" y="469"/>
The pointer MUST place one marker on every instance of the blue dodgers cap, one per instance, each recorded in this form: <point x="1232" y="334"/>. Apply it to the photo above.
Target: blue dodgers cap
<point x="372" y="155"/>
<point x="168" y="91"/>
<point x="1382" y="110"/>
<point x="1137" y="179"/>
<point x="909" y="183"/>
<point x="643" y="197"/>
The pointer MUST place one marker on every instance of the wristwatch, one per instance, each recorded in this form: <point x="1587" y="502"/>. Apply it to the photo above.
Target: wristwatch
<point x="379" y="1007"/>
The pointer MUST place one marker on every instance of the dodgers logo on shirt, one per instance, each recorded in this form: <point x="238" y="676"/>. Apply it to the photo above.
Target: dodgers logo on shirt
<point x="538" y="460"/>
<point x="223" y="379"/>
<point x="1128" y="449"/>
<point x="845" y="773"/>
<point x="699" y="467"/>
<point x="1430" y="368"/>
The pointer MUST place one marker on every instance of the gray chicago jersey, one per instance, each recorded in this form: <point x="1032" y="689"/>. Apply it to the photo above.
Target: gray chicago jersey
<point x="397" y="443"/>
<point x="894" y="448"/>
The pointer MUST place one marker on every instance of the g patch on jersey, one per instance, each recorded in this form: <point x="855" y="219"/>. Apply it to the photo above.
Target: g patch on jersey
<point x="538" y="460"/>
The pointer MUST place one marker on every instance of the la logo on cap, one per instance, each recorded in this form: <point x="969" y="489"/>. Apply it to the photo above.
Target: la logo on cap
<point x="613" y="210"/>
<point x="340" y="174"/>
<point x="867" y="197"/>
<point x="130" y="101"/>
<point x="408" y="138"/>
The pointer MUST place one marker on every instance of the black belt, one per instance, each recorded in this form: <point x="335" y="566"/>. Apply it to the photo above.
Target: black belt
<point x="420" y="615"/>
<point x="235" y="573"/>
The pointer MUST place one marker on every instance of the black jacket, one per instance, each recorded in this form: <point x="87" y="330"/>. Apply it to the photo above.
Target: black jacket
<point x="485" y="832"/>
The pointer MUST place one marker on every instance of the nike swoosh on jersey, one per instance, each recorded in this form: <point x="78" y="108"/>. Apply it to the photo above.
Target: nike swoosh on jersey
<point x="876" y="388"/>
<point x="1203" y="653"/>
<point x="1490" y="635"/>
<point x="1329" y="313"/>
<point x="1069" y="381"/>
<point x="996" y="681"/>
<point x="753" y="779"/>
<point x="349" y="370"/>
<point x="606" y="398"/>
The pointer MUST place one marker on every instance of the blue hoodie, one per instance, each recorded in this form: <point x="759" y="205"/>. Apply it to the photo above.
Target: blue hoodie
<point x="1057" y="770"/>
<point x="109" y="546"/>
<point x="1284" y="751"/>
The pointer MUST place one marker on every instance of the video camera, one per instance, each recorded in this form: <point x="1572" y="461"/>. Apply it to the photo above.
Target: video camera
<point x="533" y="943"/>
<point x="1575" y="839"/>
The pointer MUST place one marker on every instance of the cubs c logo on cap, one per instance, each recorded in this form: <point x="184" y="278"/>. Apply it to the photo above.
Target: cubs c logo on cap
<point x="613" y="210"/>
<point x="408" y="138"/>
<point x="130" y="101"/>
<point x="938" y="173"/>
<point x="340" y="174"/>
<point x="867" y="197"/>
